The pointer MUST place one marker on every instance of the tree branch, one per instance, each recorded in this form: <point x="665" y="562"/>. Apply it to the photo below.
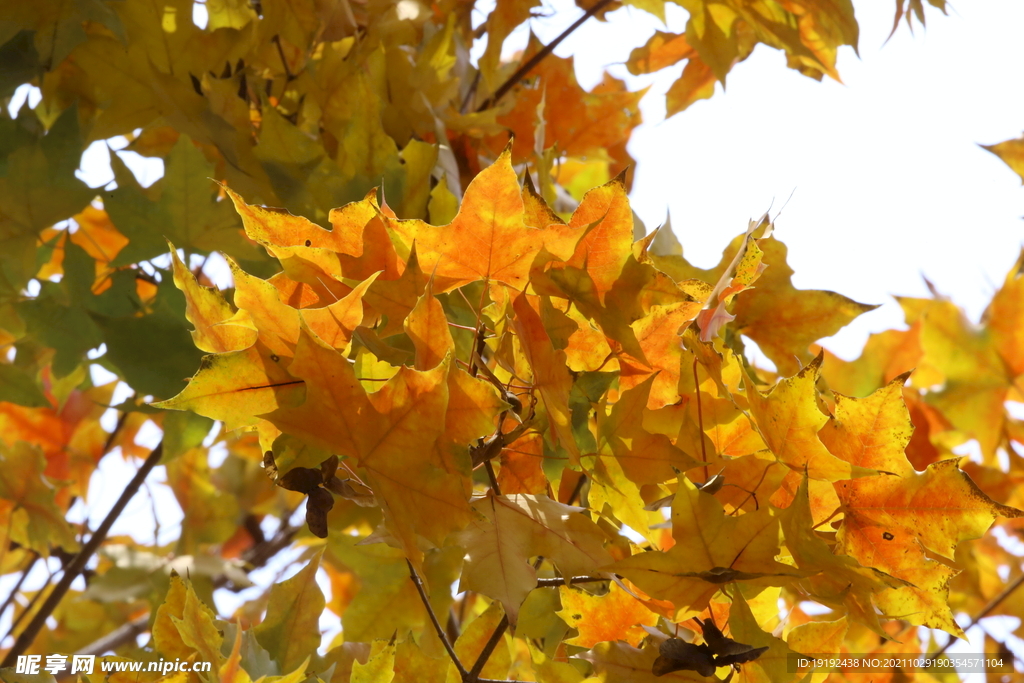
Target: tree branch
<point x="533" y="61"/>
<point x="14" y="591"/>
<point x="76" y="566"/>
<point x="546" y="583"/>
<point x="485" y="654"/>
<point x="418" y="582"/>
<point x="122" y="635"/>
<point x="992" y="604"/>
<point x="257" y="556"/>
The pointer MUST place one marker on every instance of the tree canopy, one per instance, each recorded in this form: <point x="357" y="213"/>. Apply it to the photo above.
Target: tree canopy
<point x="516" y="436"/>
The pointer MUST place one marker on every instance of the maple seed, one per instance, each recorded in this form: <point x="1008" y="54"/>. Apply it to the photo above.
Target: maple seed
<point x="301" y="479"/>
<point x="678" y="655"/>
<point x="717" y="650"/>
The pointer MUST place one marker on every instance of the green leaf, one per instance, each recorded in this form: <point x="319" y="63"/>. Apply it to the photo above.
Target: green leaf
<point x="291" y="630"/>
<point x="181" y="207"/>
<point x="18" y="386"/>
<point x="67" y="329"/>
<point x="154" y="353"/>
<point x="183" y="431"/>
<point x="19" y="63"/>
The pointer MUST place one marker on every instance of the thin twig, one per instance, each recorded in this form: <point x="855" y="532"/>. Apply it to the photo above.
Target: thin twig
<point x="289" y="76"/>
<point x="700" y="420"/>
<point x="117" y="430"/>
<point x="992" y="604"/>
<point x="470" y="93"/>
<point x="485" y="654"/>
<point x="547" y="583"/>
<point x="452" y="627"/>
<point x="494" y="479"/>
<point x="76" y="565"/>
<point x="17" y="586"/>
<point x="418" y="582"/>
<point x="533" y="61"/>
<point x="257" y="556"/>
<point x="577" y="490"/>
<point x="122" y="635"/>
<point x="24" y="574"/>
<point x="29" y="608"/>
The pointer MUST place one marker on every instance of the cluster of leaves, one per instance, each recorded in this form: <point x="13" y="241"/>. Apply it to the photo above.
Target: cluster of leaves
<point x="478" y="379"/>
<point x="494" y="401"/>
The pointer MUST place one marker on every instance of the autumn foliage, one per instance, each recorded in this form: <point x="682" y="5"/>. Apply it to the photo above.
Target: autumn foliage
<point x="516" y="436"/>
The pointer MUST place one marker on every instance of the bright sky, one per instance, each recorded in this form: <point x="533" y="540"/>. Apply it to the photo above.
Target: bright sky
<point x="889" y="181"/>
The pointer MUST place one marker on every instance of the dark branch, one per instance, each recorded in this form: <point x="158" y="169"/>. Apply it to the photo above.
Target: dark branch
<point x="257" y="556"/>
<point x="985" y="611"/>
<point x="577" y="490"/>
<point x="544" y="583"/>
<point x="24" y="574"/>
<point x="533" y="61"/>
<point x="418" y="582"/>
<point x="485" y="654"/>
<point x="492" y="477"/>
<point x="76" y="566"/>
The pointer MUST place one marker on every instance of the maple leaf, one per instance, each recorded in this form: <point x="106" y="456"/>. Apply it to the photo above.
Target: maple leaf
<point x="215" y="329"/>
<point x="798" y="318"/>
<point x="976" y="366"/>
<point x="569" y="108"/>
<point x="472" y="641"/>
<point x="291" y="629"/>
<point x="550" y="378"/>
<point x="665" y="49"/>
<point x="510" y="531"/>
<point x="487" y="240"/>
<point x="645" y="458"/>
<point x="603" y="249"/>
<point x="711" y="549"/>
<point x="505" y="16"/>
<point x="839" y="578"/>
<point x="390" y="433"/>
<point x="885" y="523"/>
<point x="1010" y="151"/>
<point x="238" y="386"/>
<point x="340" y="368"/>
<point x="184" y="625"/>
<point x="789" y="419"/>
<point x="28" y="503"/>
<point x="614" y="616"/>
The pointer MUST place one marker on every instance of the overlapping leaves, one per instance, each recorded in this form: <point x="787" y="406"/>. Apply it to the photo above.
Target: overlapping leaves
<point x="427" y="415"/>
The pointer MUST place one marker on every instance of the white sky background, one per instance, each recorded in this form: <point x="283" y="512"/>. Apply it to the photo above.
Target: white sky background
<point x="889" y="181"/>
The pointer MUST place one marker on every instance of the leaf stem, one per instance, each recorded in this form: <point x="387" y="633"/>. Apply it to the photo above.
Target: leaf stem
<point x="533" y="61"/>
<point x="76" y="565"/>
<point x="418" y="582"/>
